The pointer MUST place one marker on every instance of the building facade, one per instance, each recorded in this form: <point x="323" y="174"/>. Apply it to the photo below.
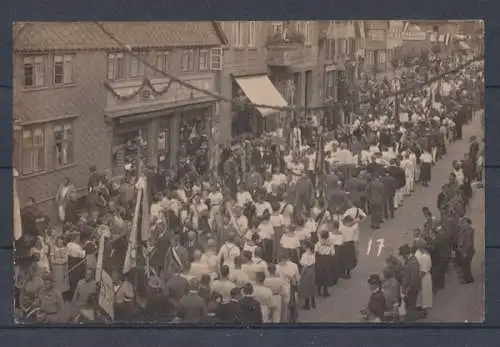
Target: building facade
<point x="81" y="99"/>
<point x="244" y="76"/>
<point x="377" y="33"/>
<point x="341" y="57"/>
<point x="394" y="39"/>
<point x="292" y="49"/>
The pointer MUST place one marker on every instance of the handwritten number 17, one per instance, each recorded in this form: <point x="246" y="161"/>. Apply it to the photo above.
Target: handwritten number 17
<point x="380" y="246"/>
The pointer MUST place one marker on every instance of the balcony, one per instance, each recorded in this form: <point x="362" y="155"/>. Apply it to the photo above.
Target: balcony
<point x="286" y="49"/>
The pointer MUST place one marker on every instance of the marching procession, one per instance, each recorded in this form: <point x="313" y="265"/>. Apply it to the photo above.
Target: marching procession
<point x="273" y="226"/>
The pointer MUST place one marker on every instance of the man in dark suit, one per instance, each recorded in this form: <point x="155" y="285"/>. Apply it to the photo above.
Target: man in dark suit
<point x="176" y="258"/>
<point x="304" y="191"/>
<point x="192" y="307"/>
<point x="390" y="191"/>
<point x="375" y="195"/>
<point x="466" y="249"/>
<point x="175" y="288"/>
<point x="412" y="281"/>
<point x="230" y="312"/>
<point x="250" y="308"/>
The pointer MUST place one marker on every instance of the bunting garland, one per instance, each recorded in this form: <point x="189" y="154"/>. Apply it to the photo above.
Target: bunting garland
<point x="146" y="83"/>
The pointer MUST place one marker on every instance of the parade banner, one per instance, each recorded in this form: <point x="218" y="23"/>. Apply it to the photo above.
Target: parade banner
<point x="104" y="232"/>
<point x="17" y="225"/>
<point x="145" y="227"/>
<point x="131" y="256"/>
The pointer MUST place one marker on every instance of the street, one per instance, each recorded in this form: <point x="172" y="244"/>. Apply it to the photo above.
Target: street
<point x="456" y="303"/>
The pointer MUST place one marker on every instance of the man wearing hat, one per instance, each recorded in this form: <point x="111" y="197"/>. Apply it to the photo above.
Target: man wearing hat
<point x="192" y="307"/>
<point x="376" y="303"/>
<point x="412" y="281"/>
<point x="157" y="307"/>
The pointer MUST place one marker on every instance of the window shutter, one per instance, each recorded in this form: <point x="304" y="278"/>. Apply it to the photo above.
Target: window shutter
<point x="216" y="58"/>
<point x="39" y="72"/>
<point x="111" y="67"/>
<point x="68" y="69"/>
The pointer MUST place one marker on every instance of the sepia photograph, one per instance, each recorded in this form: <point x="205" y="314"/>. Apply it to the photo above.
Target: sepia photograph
<point x="248" y="172"/>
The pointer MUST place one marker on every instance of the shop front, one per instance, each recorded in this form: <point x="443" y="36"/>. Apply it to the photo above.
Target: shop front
<point x="173" y="128"/>
<point x="259" y="90"/>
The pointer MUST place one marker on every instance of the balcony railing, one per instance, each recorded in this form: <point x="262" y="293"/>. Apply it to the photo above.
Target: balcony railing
<point x="285" y="49"/>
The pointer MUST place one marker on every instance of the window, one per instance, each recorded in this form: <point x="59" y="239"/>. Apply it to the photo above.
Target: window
<point x="238" y="34"/>
<point x="277" y="27"/>
<point x="331" y="49"/>
<point x="63" y="139"/>
<point x="303" y="28"/>
<point x="63" y="69"/>
<point x="137" y="67"/>
<point x="34" y="71"/>
<point x="188" y="60"/>
<point x="33" y="150"/>
<point x="307" y="28"/>
<point x="204" y="59"/>
<point x="216" y="58"/>
<point x="162" y="61"/>
<point x="252" y="33"/>
<point x="116" y="66"/>
<point x="382" y="57"/>
<point x="329" y="84"/>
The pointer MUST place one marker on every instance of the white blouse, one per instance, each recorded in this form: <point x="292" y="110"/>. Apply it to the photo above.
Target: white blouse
<point x="426" y="158"/>
<point x="424" y="259"/>
<point x="266" y="231"/>
<point x="289" y="241"/>
<point x="307" y="259"/>
<point x="324" y="247"/>
<point x="277" y="220"/>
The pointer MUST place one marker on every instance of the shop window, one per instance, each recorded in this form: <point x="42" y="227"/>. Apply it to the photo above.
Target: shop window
<point x="34" y="71"/>
<point x="130" y="149"/>
<point x="63" y="69"/>
<point x="194" y="140"/>
<point x="63" y="140"/>
<point x="33" y="150"/>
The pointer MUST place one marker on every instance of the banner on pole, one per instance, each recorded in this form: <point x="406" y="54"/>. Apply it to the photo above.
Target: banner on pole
<point x="131" y="255"/>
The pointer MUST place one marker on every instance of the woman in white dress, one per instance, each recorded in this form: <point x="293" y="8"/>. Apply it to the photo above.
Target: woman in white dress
<point x="66" y="195"/>
<point x="424" y="300"/>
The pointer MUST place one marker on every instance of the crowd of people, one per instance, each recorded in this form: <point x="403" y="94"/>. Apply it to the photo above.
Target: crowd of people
<point x="274" y="227"/>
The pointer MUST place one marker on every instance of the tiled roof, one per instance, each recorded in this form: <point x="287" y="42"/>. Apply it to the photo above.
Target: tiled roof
<point x="87" y="35"/>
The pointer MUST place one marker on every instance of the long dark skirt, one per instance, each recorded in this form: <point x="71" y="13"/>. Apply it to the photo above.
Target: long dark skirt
<point x="267" y="250"/>
<point x="325" y="270"/>
<point x="76" y="268"/>
<point x="307" y="286"/>
<point x="347" y="256"/>
<point x="278" y="232"/>
<point x="425" y="172"/>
